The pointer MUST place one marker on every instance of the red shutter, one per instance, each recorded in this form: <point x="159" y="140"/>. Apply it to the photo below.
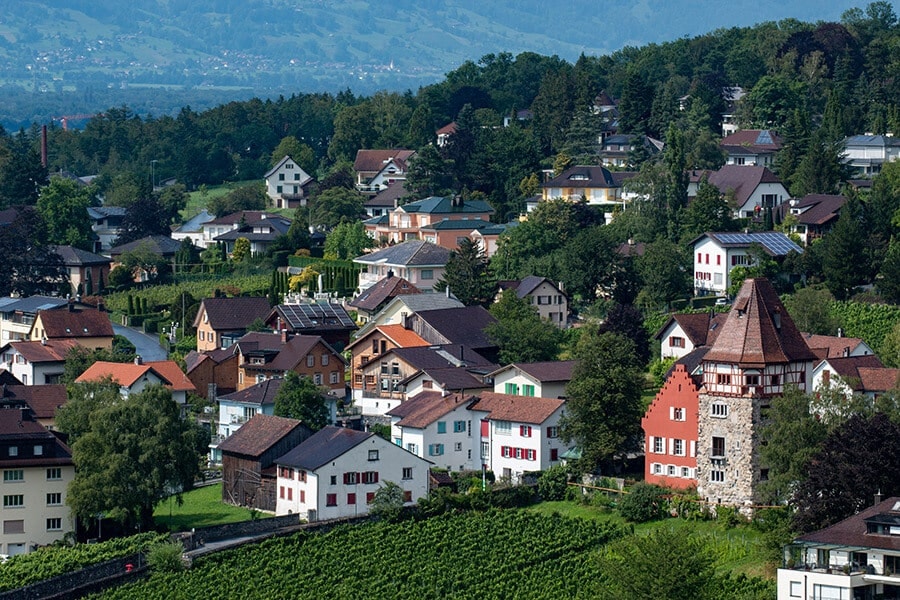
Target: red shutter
<point x="290" y="493"/>
<point x="485" y="429"/>
<point x="346" y="478"/>
<point x="376" y="477"/>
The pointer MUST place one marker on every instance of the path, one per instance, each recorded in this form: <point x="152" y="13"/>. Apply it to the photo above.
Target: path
<point x="147" y="346"/>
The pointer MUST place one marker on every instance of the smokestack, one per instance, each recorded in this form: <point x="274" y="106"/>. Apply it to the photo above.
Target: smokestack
<point x="44" y="146"/>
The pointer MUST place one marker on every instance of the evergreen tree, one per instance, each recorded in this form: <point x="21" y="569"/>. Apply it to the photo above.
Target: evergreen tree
<point x="468" y="275"/>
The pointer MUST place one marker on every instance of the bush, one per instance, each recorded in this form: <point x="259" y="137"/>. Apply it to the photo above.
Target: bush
<point x="643" y="503"/>
<point x="728" y="517"/>
<point x="166" y="557"/>
<point x="553" y="483"/>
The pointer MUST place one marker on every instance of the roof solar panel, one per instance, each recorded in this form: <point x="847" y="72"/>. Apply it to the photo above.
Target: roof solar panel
<point x="311" y="316"/>
<point x="776" y="243"/>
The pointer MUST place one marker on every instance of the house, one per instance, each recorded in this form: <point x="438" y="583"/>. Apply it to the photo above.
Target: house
<point x="42" y="400"/>
<point x="222" y="321"/>
<point x="419" y="262"/>
<point x="865" y="154"/>
<point x="87" y="326"/>
<point x="36" y="363"/>
<point x="753" y="189"/>
<point x="17" y="314"/>
<point x="518" y="434"/>
<point x="447" y="380"/>
<point x="377" y="296"/>
<point x="261" y="233"/>
<point x="487" y="237"/>
<point x="249" y="455"/>
<point x="443" y="134"/>
<point x="682" y="333"/>
<point x="830" y="346"/>
<point x="592" y="183"/>
<point x="815" y="215"/>
<point x="328" y="320"/>
<point x="237" y="408"/>
<point x="221" y="225"/>
<point x="751" y="147"/>
<point x="545" y="379"/>
<point x="287" y="184"/>
<point x="670" y="431"/>
<point x="386" y="200"/>
<point x="463" y="326"/>
<point x="376" y="342"/>
<point x="450" y="234"/>
<point x="37" y="469"/>
<point x="377" y="169"/>
<point x="616" y="150"/>
<point x="336" y="472"/>
<point x="855" y="558"/>
<point x="864" y="375"/>
<point x="409" y="221"/>
<point x="716" y="254"/>
<point x="758" y="352"/>
<point x="438" y="427"/>
<point x="106" y="224"/>
<point x="136" y="376"/>
<point x="547" y="297"/>
<point x="213" y="372"/>
<point x="192" y="229"/>
<point x="87" y="272"/>
<point x="731" y="95"/>
<point x="157" y="244"/>
<point x="266" y="355"/>
<point x="383" y="374"/>
<point x="396" y="310"/>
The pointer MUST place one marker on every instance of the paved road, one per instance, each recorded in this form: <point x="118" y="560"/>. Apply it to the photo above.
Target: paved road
<point x="147" y="345"/>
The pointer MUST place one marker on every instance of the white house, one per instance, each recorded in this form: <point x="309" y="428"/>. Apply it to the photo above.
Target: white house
<point x="855" y="558"/>
<point x="832" y="346"/>
<point x="36" y="363"/>
<point x="135" y="377"/>
<point x="752" y="188"/>
<point x="106" y="224"/>
<point x="420" y="263"/>
<point x="17" y="315"/>
<point x="547" y="297"/>
<point x="336" y="472"/>
<point x="867" y="153"/>
<point x="438" y="427"/>
<point x="37" y="469"/>
<point x="683" y="333"/>
<point x="541" y="379"/>
<point x="286" y="184"/>
<point x="237" y="408"/>
<point x="751" y="147"/>
<point x="715" y="254"/>
<point x="519" y="434"/>
<point x="849" y="375"/>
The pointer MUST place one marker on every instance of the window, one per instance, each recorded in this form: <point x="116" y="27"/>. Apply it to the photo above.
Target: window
<point x="412" y="448"/>
<point x="317" y="379"/>
<point x="13" y="501"/>
<point x="373" y="454"/>
<point x="678" y="414"/>
<point x="503" y="427"/>
<point x="685" y="472"/>
<point x="751" y="379"/>
<point x="334" y="480"/>
<point x="435" y="449"/>
<point x="459" y="426"/>
<point x="525" y="430"/>
<point x="17" y="526"/>
<point x="796" y="589"/>
<point x="678" y="447"/>
<point x="723" y="379"/>
<point x="370" y="477"/>
<point x="290" y="492"/>
<point x="659" y="445"/>
<point x="351" y="498"/>
<point x="302" y="496"/>
<point x="407" y="496"/>
<point x="370" y="496"/>
<point x="554" y="453"/>
<point x="281" y="492"/>
<point x="671" y="470"/>
<point x="54" y="499"/>
<point x="12" y="475"/>
<point x="278" y="189"/>
<point x="334" y="377"/>
<point x="457" y="446"/>
<point x="528" y="390"/>
<point x="530" y="454"/>
<point x="14" y="450"/>
<point x="553" y="432"/>
<point x="718" y="447"/>
<point x="310" y="360"/>
<point x="717" y="476"/>
<point x="657" y="469"/>
<point x="485" y="449"/>
<point x="324" y="360"/>
<point x="512" y="389"/>
<point x="519" y="453"/>
<point x="330" y="499"/>
<point x="407" y="473"/>
<point x="442" y="426"/>
<point x="54" y="474"/>
<point x="351" y="478"/>
<point x="427" y="274"/>
<point x="281" y="177"/>
<point x="505" y="451"/>
<point x="718" y="409"/>
<point x="676" y="341"/>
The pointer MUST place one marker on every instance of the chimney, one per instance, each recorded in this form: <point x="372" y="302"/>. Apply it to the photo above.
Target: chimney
<point x="447" y="291"/>
<point x="878" y="497"/>
<point x="390" y="273"/>
<point x="404" y="320"/>
<point x="71" y="304"/>
<point x="138" y="360"/>
<point x="284" y="336"/>
<point x="840" y="332"/>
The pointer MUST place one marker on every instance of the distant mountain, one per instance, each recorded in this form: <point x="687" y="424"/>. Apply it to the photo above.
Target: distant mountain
<point x="75" y="55"/>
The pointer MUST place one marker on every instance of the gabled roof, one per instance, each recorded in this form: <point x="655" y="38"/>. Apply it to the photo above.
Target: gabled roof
<point x="544" y="371"/>
<point x="30" y="305"/>
<point x="261" y="394"/>
<point x="72" y="256"/>
<point x="448" y="129"/>
<point x="195" y="224"/>
<point x="228" y="314"/>
<point x="247" y="216"/>
<point x="322" y="447"/>
<point x="158" y="244"/>
<point x="318" y="316"/>
<point x="526" y="285"/>
<point x="452" y="378"/>
<point x="463" y="326"/>
<point x="43" y="400"/>
<point x="761" y="139"/>
<point x="816" y="209"/>
<point x="287" y="354"/>
<point x="259" y="434"/>
<point x="878" y="379"/>
<point x="170" y="371"/>
<point x="588" y="176"/>
<point x="438" y="205"/>
<point x="425" y="408"/>
<point x="383" y="290"/>
<point x="400" y="335"/>
<point x="123" y="374"/>
<point x="42" y="352"/>
<point x="414" y="253"/>
<point x="19" y="426"/>
<point x="278" y="226"/>
<point x="390" y="196"/>
<point x="372" y="161"/>
<point x="195" y="359"/>
<point x="438" y="357"/>
<point x="521" y="409"/>
<point x="700" y="328"/>
<point x="98" y="213"/>
<point x="830" y="346"/>
<point x="852" y="531"/>
<point x="741" y="179"/>
<point x="281" y="163"/>
<point x="75" y="323"/>
<point x="758" y="331"/>
<point x="774" y="243"/>
<point x="620" y="177"/>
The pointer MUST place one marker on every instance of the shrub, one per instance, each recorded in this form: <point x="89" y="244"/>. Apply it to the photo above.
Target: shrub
<point x="553" y="483"/>
<point x="166" y="557"/>
<point x="643" y="503"/>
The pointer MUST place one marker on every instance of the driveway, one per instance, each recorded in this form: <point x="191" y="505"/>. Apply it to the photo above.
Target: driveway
<point x="147" y="345"/>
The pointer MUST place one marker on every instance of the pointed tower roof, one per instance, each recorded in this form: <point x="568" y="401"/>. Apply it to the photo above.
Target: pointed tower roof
<point x="759" y="331"/>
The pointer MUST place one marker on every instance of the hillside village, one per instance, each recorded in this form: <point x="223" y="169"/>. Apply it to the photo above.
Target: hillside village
<point x="712" y="315"/>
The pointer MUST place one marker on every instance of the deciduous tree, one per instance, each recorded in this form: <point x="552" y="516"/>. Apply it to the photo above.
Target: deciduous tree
<point x="520" y="333"/>
<point x="300" y="398"/>
<point x="63" y="207"/>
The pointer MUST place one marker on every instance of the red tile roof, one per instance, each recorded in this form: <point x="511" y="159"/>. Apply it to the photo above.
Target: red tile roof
<point x="382" y="291"/>
<point x="63" y="323"/>
<point x="400" y="335"/>
<point x="425" y="408"/>
<point x="44" y="400"/>
<point x="831" y="346"/>
<point x="259" y="434"/>
<point x="170" y="370"/>
<point x="521" y="409"/>
<point x="46" y="351"/>
<point x="126" y="374"/>
<point x="372" y="161"/>
<point x="877" y="380"/>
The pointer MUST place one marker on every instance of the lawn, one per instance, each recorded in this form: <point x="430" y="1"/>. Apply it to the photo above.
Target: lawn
<point x="738" y="550"/>
<point x="198" y="200"/>
<point x="202" y="507"/>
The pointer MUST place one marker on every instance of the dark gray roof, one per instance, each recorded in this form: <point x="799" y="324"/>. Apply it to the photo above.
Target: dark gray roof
<point x="389" y="196"/>
<point x="461" y="325"/>
<point x="592" y="176"/>
<point x="380" y="293"/>
<point x="72" y="256"/>
<point x="440" y="357"/>
<point x="410" y="254"/>
<point x="159" y="244"/>
<point x="103" y="212"/>
<point x="32" y="304"/>
<point x="447" y="205"/>
<point x="318" y="316"/>
<point x="452" y="378"/>
<point x="195" y="223"/>
<point x="233" y="314"/>
<point x="278" y="225"/>
<point x="323" y="447"/>
<point x="262" y="393"/>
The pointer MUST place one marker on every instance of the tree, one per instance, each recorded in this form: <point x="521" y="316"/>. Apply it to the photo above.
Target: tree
<point x="888" y="283"/>
<point x="129" y="452"/>
<point x="810" y="308"/>
<point x="63" y="206"/>
<point x="300" y="398"/>
<point x="28" y="265"/>
<point x="299" y="152"/>
<point x="843" y="253"/>
<point x="553" y="483"/>
<point x="604" y="409"/>
<point x="429" y="174"/>
<point x="644" y="502"/>
<point x="388" y="501"/>
<point x="666" y="273"/>
<point x="247" y="197"/>
<point x="627" y="321"/>
<point x="708" y="211"/>
<point x="590" y="263"/>
<point x="143" y="258"/>
<point x="856" y="460"/>
<point x="347" y="241"/>
<point x="241" y="250"/>
<point x="143" y="218"/>
<point x="468" y="275"/>
<point x="520" y="333"/>
<point x="336" y="205"/>
<point x="21" y="173"/>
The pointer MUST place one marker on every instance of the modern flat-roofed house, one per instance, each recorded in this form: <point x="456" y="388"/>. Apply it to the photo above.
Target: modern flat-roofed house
<point x="287" y="184"/>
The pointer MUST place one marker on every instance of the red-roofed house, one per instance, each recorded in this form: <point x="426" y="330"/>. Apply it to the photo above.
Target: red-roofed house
<point x="214" y="372"/>
<point x="751" y="147"/>
<point x="36" y="363"/>
<point x="377" y="169"/>
<point x="864" y="375"/>
<point x="832" y="346"/>
<point x="684" y="332"/>
<point x="89" y="327"/>
<point x="376" y="297"/>
<point x="670" y="432"/>
<point x="815" y="215"/>
<point x="134" y="377"/>
<point x="376" y="342"/>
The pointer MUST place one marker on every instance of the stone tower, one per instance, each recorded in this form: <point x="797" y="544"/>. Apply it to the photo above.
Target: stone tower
<point x="758" y="352"/>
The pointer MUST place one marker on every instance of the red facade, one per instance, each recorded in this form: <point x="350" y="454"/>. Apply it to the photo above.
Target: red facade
<point x="670" y="432"/>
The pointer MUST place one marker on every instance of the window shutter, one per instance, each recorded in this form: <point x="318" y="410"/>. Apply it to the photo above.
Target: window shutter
<point x="671" y="446"/>
<point x="346" y="478"/>
<point x="672" y="413"/>
<point x="693" y="448"/>
<point x="376" y="477"/>
<point x="651" y="447"/>
<point x="359" y="478"/>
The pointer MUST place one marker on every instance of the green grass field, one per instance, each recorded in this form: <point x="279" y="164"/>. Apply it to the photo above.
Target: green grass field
<point x="202" y="507"/>
<point x="198" y="199"/>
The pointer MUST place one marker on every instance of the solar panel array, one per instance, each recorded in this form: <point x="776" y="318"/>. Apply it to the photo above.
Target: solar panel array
<point x="776" y="243"/>
<point x="310" y="316"/>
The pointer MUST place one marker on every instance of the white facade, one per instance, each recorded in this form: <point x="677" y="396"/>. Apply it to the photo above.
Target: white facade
<point x="766" y="195"/>
<point x="826" y="578"/>
<point x="391" y="173"/>
<point x="422" y="276"/>
<point x="231" y="416"/>
<point x="344" y="486"/>
<point x="713" y="264"/>
<point x="451" y="442"/>
<point x="675" y="342"/>
<point x="515" y="382"/>
<point x="30" y="373"/>
<point x="513" y="447"/>
<point x="286" y="179"/>
<point x="42" y="517"/>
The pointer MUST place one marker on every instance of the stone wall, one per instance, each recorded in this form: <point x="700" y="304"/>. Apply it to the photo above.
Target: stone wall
<point x="77" y="583"/>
